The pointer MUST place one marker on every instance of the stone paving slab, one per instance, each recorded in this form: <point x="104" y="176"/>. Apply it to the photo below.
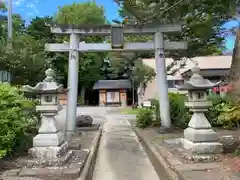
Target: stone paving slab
<point x="120" y="155"/>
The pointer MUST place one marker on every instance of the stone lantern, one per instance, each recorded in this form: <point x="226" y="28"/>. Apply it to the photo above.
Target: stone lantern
<point x="199" y="137"/>
<point x="49" y="144"/>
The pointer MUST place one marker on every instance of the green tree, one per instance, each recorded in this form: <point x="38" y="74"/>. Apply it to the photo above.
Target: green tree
<point x="81" y="14"/>
<point x="130" y="64"/>
<point x="26" y="60"/>
<point x="202" y="21"/>
<point x="202" y="24"/>
<point x="84" y="14"/>
<point x="39" y="30"/>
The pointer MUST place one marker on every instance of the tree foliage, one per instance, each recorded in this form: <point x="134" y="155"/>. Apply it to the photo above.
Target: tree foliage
<point x="83" y="14"/>
<point x="80" y="14"/>
<point x="130" y="65"/>
<point x="25" y="60"/>
<point x="202" y="21"/>
<point x="17" y="119"/>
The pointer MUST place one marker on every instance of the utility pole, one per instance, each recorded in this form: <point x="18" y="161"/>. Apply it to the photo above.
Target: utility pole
<point x="10" y="22"/>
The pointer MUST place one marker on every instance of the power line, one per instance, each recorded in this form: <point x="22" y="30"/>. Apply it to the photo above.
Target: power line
<point x="161" y="12"/>
<point x="155" y="15"/>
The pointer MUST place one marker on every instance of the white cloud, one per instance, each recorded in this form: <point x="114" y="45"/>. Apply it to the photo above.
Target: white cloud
<point x="30" y="8"/>
<point x="18" y="2"/>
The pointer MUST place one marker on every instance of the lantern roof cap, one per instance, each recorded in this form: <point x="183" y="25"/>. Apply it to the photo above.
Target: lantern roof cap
<point x="197" y="82"/>
<point x="48" y="85"/>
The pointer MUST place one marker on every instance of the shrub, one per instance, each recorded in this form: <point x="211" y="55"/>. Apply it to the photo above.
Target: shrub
<point x="144" y="117"/>
<point x="219" y="103"/>
<point x="179" y="114"/>
<point x="17" y="118"/>
<point x="223" y="113"/>
<point x="229" y="116"/>
<point x="156" y="108"/>
<point x="80" y="101"/>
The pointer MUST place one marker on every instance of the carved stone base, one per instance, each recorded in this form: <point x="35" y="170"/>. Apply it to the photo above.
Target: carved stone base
<point x="202" y="147"/>
<point x="49" y="152"/>
<point x="45" y="140"/>
<point x="200" y="135"/>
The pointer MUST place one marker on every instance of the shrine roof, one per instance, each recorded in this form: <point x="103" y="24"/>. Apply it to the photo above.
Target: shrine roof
<point x="112" y="84"/>
<point x="209" y="65"/>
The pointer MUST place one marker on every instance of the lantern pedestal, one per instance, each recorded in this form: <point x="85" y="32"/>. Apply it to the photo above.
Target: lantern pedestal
<point x="202" y="147"/>
<point x="49" y="144"/>
<point x="49" y="153"/>
<point x="199" y="136"/>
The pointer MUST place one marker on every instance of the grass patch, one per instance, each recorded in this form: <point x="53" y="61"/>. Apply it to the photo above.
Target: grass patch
<point x="129" y="111"/>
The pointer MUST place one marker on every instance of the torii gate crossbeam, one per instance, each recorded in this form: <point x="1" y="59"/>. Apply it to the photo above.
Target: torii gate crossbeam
<point x="75" y="46"/>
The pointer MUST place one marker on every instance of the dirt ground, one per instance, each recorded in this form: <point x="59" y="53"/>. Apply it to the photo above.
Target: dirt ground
<point x="229" y="161"/>
<point x="15" y="162"/>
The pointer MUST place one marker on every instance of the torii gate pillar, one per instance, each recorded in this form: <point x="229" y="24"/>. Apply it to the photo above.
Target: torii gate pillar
<point x="161" y="77"/>
<point x="73" y="68"/>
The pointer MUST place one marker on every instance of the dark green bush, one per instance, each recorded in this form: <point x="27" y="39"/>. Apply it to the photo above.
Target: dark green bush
<point x="219" y="104"/>
<point x="144" y="117"/>
<point x="179" y="114"/>
<point x="223" y="113"/>
<point x="17" y="119"/>
<point x="80" y="101"/>
<point x="156" y="108"/>
<point x="230" y="116"/>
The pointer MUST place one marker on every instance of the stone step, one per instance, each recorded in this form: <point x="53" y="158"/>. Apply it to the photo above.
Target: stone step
<point x="70" y="168"/>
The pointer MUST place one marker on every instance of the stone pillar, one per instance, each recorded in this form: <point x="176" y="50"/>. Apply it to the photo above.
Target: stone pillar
<point x="123" y="98"/>
<point x="73" y="68"/>
<point x="161" y="78"/>
<point x="102" y="98"/>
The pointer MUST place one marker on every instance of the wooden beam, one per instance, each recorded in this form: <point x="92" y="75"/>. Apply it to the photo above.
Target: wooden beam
<point x="106" y="47"/>
<point x="128" y="30"/>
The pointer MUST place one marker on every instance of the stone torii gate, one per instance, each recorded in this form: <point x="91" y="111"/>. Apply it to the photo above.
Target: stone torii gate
<point x="117" y="33"/>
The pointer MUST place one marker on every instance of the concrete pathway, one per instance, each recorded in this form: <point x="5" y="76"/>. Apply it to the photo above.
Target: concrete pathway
<point x="120" y="155"/>
<point x="97" y="113"/>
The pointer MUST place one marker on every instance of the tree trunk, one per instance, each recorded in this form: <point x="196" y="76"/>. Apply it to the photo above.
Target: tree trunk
<point x="234" y="75"/>
<point x="235" y="67"/>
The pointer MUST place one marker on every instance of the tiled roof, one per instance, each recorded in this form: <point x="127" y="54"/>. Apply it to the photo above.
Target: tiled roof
<point x="204" y="62"/>
<point x="112" y="84"/>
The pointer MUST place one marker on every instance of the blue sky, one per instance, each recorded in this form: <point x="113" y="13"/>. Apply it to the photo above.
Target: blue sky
<point x="32" y="8"/>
